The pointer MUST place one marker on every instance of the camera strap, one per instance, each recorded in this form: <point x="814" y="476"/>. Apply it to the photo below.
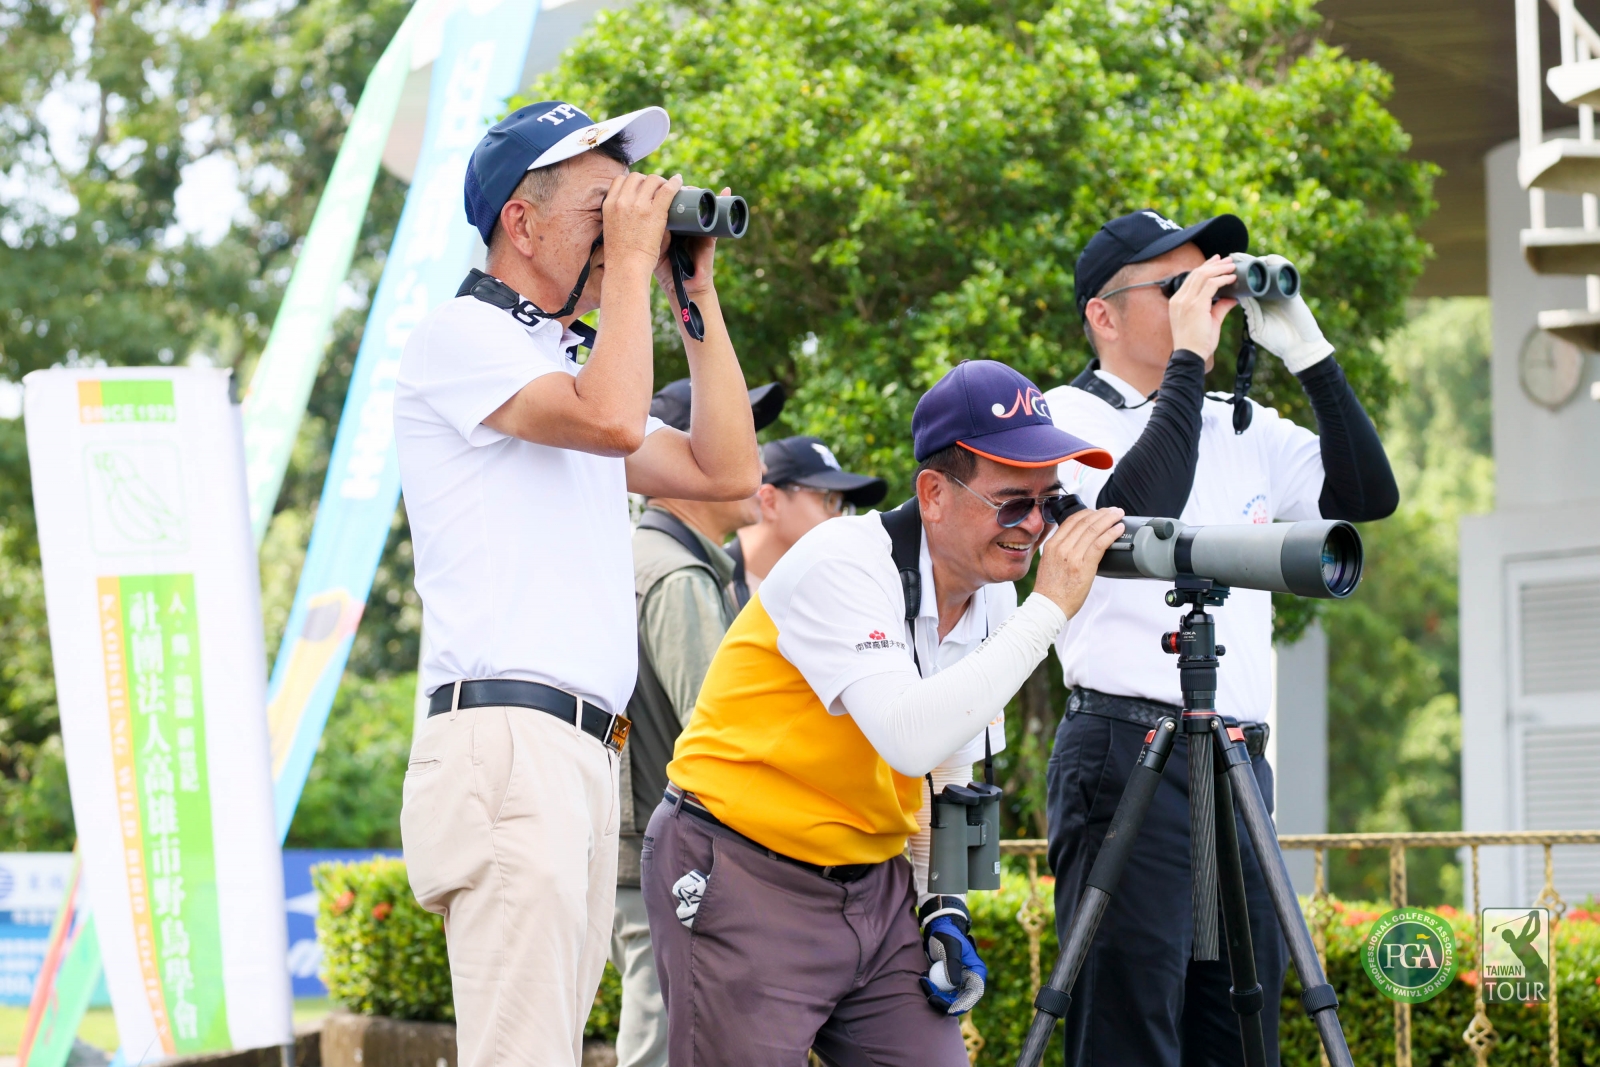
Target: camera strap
<point x="1096" y="386"/>
<point x="493" y="291"/>
<point x="1243" y="373"/>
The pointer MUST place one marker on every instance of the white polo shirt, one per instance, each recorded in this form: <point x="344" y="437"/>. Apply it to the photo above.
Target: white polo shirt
<point x="1271" y="472"/>
<point x="523" y="554"/>
<point x="838" y="585"/>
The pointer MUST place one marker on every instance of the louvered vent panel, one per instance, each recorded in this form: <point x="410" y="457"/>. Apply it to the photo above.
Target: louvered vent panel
<point x="1560" y="637"/>
<point x="1561" y="769"/>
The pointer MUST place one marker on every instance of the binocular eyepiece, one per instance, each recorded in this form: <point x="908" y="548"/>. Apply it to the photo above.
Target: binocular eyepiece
<point x="1263" y="277"/>
<point x="701" y="213"/>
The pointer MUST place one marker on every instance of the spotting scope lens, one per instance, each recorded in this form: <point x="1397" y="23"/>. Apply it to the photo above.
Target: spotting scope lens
<point x="1341" y="561"/>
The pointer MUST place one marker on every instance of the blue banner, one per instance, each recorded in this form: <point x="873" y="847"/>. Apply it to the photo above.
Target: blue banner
<point x="479" y="67"/>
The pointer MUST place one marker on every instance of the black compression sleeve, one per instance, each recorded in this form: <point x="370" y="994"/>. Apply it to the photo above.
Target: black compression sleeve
<point x="1156" y="474"/>
<point x="1357" y="482"/>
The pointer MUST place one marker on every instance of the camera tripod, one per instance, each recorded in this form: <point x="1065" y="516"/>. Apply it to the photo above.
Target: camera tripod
<point x="1220" y="776"/>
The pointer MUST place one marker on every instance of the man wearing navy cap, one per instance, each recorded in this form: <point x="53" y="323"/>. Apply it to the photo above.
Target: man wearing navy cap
<point x="1147" y="288"/>
<point x="781" y="911"/>
<point x="802" y="486"/>
<point x="516" y="461"/>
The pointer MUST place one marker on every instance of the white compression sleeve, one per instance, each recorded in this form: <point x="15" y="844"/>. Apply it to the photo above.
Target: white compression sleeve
<point x="951" y="772"/>
<point x="916" y="723"/>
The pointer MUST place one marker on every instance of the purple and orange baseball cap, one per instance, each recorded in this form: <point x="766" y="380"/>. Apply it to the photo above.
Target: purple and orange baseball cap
<point x="988" y="408"/>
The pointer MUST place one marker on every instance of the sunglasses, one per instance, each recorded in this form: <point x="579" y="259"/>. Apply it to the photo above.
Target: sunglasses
<point x="1168" y="286"/>
<point x="1053" y="507"/>
<point x="833" y="501"/>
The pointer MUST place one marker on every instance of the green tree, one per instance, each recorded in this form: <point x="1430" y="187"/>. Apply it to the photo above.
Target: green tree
<point x="94" y="269"/>
<point x="923" y="173"/>
<point x="1394" y="670"/>
<point x="352" y="796"/>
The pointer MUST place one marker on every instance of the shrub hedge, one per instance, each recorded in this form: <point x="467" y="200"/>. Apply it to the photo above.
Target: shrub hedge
<point x="384" y="955"/>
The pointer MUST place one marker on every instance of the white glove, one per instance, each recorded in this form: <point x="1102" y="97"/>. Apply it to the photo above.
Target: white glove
<point x="1288" y="330"/>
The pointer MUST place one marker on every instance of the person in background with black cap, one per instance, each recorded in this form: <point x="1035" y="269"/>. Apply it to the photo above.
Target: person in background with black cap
<point x="780" y="907"/>
<point x="801" y="487"/>
<point x="680" y="580"/>
<point x="516" y="461"/>
<point x="1147" y="290"/>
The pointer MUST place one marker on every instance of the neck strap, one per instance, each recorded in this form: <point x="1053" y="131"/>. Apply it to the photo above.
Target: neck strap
<point x="492" y="290"/>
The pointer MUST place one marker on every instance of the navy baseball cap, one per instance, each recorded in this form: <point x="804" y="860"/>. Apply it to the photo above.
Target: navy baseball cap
<point x="988" y="408"/>
<point x="541" y="135"/>
<point x="671" y="404"/>
<point x="1143" y="235"/>
<point x="807" y="461"/>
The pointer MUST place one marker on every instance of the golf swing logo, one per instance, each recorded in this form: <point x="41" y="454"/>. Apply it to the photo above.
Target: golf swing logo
<point x="1410" y="955"/>
<point x="1516" y="955"/>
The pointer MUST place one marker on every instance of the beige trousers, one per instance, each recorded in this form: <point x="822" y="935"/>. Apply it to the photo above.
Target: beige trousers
<point x="510" y="827"/>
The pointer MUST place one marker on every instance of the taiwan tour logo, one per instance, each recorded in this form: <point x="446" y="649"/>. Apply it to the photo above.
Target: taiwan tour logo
<point x="1516" y="955"/>
<point x="1410" y="955"/>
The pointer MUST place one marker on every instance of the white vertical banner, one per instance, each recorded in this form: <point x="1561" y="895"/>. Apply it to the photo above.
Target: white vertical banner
<point x="153" y="594"/>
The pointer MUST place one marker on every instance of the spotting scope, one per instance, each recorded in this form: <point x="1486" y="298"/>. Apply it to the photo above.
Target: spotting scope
<point x="1319" y="558"/>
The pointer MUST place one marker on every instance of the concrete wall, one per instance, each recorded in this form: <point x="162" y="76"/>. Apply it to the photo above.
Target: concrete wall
<point x="1298" y="747"/>
<point x="1546" y="526"/>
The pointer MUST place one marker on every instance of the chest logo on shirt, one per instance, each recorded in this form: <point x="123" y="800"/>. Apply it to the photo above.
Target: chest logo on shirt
<point x="1256" y="510"/>
<point x="878" y="639"/>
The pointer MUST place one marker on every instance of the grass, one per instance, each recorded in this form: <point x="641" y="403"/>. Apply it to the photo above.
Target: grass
<point x="99" y="1027"/>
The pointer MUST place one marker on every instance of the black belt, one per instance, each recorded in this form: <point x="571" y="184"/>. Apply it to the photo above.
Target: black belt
<point x="1149" y="713"/>
<point x="610" y="730"/>
<point x="689" y="803"/>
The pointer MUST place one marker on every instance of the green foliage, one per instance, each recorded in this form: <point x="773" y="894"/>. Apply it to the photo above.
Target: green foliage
<point x="381" y="953"/>
<point x="922" y="174"/>
<point x="352" y="795"/>
<point x="1394" y="676"/>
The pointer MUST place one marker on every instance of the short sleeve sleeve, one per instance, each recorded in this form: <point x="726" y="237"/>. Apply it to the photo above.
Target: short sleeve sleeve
<point x="475" y="359"/>
<point x="841" y="624"/>
<point x="1085" y="417"/>
<point x="1295" y="467"/>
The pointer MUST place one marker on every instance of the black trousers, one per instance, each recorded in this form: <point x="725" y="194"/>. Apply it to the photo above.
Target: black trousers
<point x="1139" y="999"/>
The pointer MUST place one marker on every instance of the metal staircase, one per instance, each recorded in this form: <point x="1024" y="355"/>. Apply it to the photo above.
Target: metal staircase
<point x="1564" y="164"/>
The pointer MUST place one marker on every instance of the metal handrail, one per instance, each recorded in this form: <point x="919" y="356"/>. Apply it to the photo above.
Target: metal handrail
<point x="1479" y="1035"/>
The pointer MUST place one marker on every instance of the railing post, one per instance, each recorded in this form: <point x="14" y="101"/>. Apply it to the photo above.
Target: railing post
<point x="1402" y="1011"/>
<point x="1479" y="1034"/>
<point x="1550" y="899"/>
<point x="1318" y="914"/>
<point x="1031" y="917"/>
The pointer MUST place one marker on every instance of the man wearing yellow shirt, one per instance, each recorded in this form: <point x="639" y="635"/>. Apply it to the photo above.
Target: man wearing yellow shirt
<point x="782" y="914"/>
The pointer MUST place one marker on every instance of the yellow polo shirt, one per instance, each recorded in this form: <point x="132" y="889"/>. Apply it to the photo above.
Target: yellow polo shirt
<point x="764" y="752"/>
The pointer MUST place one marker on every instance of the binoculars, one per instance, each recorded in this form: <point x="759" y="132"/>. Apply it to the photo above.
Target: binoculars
<point x="701" y="213"/>
<point x="1263" y="277"/>
<point x="964" y="850"/>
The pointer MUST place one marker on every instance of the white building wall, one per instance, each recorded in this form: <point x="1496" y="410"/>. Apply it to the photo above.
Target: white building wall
<point x="1543" y="535"/>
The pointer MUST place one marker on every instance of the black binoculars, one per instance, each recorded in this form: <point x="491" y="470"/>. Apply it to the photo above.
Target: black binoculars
<point x="701" y="213"/>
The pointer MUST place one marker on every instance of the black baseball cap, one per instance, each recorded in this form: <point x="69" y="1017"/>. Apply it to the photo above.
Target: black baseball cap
<point x="1143" y="235"/>
<point x="990" y="409"/>
<point x="542" y="135"/>
<point x="807" y="461"/>
<point x="671" y="404"/>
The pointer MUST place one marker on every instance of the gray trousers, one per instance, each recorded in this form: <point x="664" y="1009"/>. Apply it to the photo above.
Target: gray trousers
<point x="642" y="1032"/>
<point x="780" y="959"/>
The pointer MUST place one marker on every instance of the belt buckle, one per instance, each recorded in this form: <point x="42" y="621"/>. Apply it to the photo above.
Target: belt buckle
<point x="617" y="735"/>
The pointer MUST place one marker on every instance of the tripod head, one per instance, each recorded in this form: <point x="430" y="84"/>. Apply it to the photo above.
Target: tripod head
<point x="1195" y="645"/>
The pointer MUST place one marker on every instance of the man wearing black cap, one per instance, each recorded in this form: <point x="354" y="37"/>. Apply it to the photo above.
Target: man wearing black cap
<point x="516" y="461"/>
<point x="780" y="908"/>
<point x="680" y="575"/>
<point x="1147" y="288"/>
<point x="802" y="486"/>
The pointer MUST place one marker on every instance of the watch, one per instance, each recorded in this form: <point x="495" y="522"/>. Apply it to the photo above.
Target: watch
<point x="1550" y="369"/>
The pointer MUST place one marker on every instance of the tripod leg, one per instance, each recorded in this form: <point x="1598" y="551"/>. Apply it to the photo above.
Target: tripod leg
<point x="1056" y="994"/>
<point x="1245" y="996"/>
<point x="1319" y="999"/>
